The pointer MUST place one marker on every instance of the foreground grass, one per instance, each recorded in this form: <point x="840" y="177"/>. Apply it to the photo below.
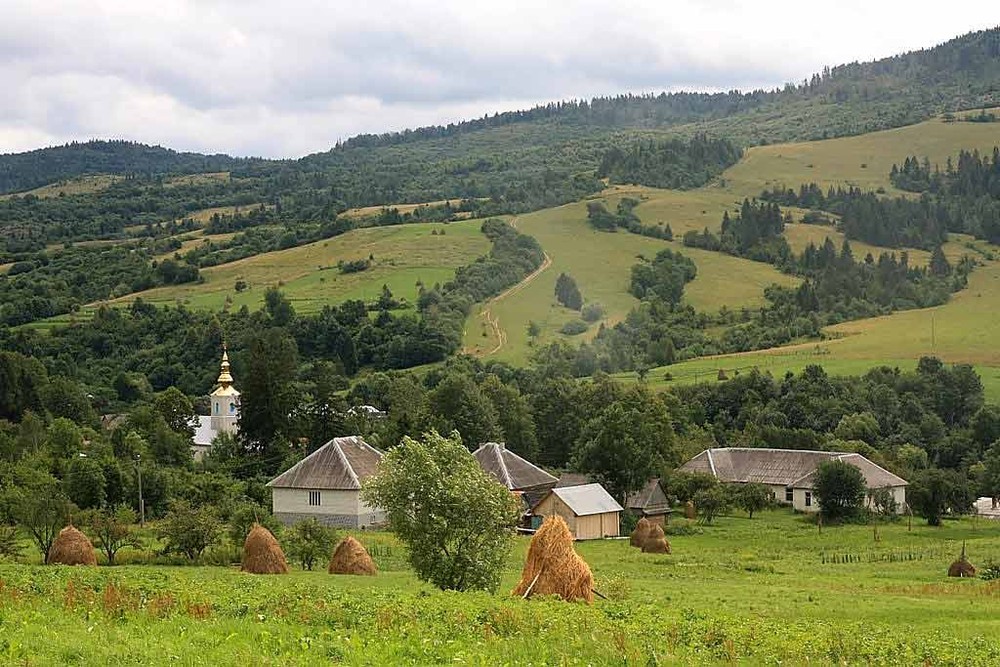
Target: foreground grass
<point x="739" y="592"/>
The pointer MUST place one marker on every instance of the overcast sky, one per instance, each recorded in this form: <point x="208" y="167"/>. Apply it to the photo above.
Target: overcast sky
<point x="283" y="79"/>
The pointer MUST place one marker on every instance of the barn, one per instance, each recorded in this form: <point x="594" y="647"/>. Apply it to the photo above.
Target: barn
<point x="589" y="511"/>
<point x="326" y="486"/>
<point x="650" y="502"/>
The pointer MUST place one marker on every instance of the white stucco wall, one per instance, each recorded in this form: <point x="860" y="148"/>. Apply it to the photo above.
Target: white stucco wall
<point x="336" y="508"/>
<point x="799" y="500"/>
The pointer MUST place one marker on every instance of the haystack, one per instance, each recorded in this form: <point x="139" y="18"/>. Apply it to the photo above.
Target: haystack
<point x="690" y="512"/>
<point x="656" y="541"/>
<point x="962" y="567"/>
<point x="262" y="554"/>
<point x="641" y="532"/>
<point x="351" y="557"/>
<point x="71" y="547"/>
<point x="553" y="567"/>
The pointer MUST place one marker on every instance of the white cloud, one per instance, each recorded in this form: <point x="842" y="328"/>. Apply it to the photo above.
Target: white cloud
<point x="249" y="77"/>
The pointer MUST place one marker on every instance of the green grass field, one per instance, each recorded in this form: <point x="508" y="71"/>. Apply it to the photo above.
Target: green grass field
<point x="73" y="186"/>
<point x="772" y="590"/>
<point x="601" y="263"/>
<point x="309" y="277"/>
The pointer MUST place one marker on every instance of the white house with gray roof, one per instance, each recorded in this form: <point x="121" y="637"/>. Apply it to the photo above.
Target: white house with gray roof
<point x="326" y="486"/>
<point x="790" y="473"/>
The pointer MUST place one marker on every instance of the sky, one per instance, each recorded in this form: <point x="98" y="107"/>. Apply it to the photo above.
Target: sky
<point x="284" y="79"/>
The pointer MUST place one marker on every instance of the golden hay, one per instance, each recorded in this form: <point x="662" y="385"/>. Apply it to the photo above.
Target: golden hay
<point x="553" y="567"/>
<point x="262" y="554"/>
<point x="351" y="557"/>
<point x="71" y="547"/>
<point x="656" y="541"/>
<point x="689" y="510"/>
<point x="641" y="532"/>
<point x="962" y="567"/>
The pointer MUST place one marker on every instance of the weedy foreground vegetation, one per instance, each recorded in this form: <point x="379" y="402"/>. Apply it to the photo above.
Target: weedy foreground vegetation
<point x="771" y="590"/>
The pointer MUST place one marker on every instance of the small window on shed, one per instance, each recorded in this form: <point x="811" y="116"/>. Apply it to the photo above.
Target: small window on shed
<point x="789" y="497"/>
<point x="314" y="499"/>
<point x="809" y="499"/>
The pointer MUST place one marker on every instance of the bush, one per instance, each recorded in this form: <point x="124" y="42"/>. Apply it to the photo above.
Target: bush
<point x="711" y="502"/>
<point x="592" y="312"/>
<point x="990" y="571"/>
<point x="189" y="531"/>
<point x="574" y="328"/>
<point x="244" y="516"/>
<point x="309" y="541"/>
<point x="9" y="545"/>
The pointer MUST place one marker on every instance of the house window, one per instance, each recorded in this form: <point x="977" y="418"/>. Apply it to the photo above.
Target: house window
<point x="314" y="499"/>
<point x="232" y="408"/>
<point x="216" y="408"/>
<point x="809" y="499"/>
<point x="789" y="495"/>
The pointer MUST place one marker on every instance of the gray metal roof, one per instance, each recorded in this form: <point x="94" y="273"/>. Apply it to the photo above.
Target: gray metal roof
<point x="650" y="499"/>
<point x="341" y="464"/>
<point x="786" y="467"/>
<point x="510" y="469"/>
<point x="587" y="499"/>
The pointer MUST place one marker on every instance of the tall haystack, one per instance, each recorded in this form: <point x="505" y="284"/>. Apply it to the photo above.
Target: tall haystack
<point x="690" y="512"/>
<point x="641" y="532"/>
<point x="962" y="567"/>
<point x="262" y="554"/>
<point x="71" y="547"/>
<point x="553" y="567"/>
<point x="351" y="557"/>
<point x="656" y="541"/>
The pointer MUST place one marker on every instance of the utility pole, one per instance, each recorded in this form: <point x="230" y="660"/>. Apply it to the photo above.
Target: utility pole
<point x="142" y="504"/>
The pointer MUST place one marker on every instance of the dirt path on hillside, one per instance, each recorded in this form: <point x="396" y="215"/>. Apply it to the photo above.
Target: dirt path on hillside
<point x="492" y="320"/>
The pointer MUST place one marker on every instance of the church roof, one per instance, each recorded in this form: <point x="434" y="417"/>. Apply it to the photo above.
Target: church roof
<point x="510" y="469"/>
<point x="341" y="464"/>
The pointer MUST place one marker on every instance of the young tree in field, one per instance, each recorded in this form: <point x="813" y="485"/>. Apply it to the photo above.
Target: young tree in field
<point x="840" y="489"/>
<point x="42" y="514"/>
<point x="456" y="521"/>
<point x="567" y="293"/>
<point x="310" y="541"/>
<point x="753" y="497"/>
<point x="935" y="492"/>
<point x="711" y="502"/>
<point x="111" y="529"/>
<point x="189" y="531"/>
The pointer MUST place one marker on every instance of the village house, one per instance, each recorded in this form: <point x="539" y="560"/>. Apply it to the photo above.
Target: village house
<point x="516" y="473"/>
<point x="224" y="407"/>
<point x="650" y="502"/>
<point x="589" y="510"/>
<point x="326" y="486"/>
<point x="790" y="473"/>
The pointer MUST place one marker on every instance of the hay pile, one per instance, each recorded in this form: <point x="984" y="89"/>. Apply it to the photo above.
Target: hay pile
<point x="962" y="567"/>
<point x="690" y="512"/>
<point x="71" y="547"/>
<point x="262" y="554"/>
<point x="656" y="541"/>
<point x="553" y="567"/>
<point x="641" y="532"/>
<point x="351" y="557"/>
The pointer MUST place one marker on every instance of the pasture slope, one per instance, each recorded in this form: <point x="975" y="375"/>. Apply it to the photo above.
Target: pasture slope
<point x="965" y="329"/>
<point x="830" y="597"/>
<point x="308" y="275"/>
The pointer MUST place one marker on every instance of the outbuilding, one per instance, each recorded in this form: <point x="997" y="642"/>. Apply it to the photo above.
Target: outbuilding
<point x="650" y="503"/>
<point x="326" y="486"/>
<point x="589" y="510"/>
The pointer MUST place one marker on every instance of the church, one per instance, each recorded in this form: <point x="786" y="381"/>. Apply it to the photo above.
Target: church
<point x="225" y="412"/>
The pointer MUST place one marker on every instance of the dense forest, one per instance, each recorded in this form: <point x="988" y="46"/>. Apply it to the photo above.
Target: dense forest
<point x="674" y="164"/>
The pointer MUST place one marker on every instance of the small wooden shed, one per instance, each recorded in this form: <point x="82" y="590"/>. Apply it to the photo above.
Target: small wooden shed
<point x="651" y="503"/>
<point x="589" y="510"/>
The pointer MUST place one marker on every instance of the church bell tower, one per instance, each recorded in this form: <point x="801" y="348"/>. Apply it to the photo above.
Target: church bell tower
<point x="225" y="399"/>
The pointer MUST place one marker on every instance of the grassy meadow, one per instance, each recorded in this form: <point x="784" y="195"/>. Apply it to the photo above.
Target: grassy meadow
<point x="309" y="277"/>
<point x="772" y="590"/>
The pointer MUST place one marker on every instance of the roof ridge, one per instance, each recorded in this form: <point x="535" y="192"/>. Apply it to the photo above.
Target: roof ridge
<point x="347" y="463"/>
<point x="888" y="472"/>
<point x="498" y="453"/>
<point x="504" y="450"/>
<point x="775" y="449"/>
